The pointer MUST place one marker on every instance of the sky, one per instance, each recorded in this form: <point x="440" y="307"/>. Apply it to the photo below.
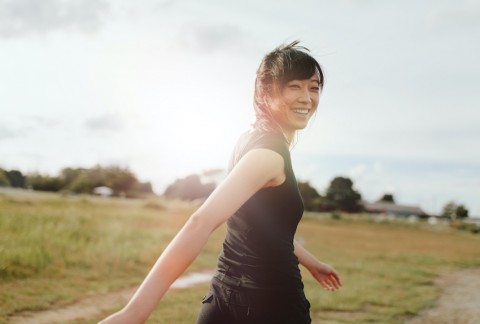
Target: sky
<point x="166" y="87"/>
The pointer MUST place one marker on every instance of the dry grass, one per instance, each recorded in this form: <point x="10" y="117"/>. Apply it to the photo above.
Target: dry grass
<point x="387" y="269"/>
<point x="56" y="250"/>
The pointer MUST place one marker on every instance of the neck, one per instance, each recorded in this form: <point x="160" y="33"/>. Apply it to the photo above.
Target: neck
<point x="289" y="136"/>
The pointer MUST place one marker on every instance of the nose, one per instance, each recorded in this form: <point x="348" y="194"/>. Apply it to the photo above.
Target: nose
<point x="305" y="96"/>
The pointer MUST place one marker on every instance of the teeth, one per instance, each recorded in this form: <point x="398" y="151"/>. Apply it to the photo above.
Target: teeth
<point x="301" y="111"/>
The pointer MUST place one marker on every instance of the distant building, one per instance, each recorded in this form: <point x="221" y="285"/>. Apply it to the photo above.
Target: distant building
<point x="394" y="209"/>
<point x="103" y="191"/>
<point x="472" y="220"/>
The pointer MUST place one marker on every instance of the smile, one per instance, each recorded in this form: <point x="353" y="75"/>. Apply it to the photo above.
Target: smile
<point x="302" y="111"/>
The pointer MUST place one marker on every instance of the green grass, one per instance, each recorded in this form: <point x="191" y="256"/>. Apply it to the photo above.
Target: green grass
<point x="55" y="250"/>
<point x="387" y="269"/>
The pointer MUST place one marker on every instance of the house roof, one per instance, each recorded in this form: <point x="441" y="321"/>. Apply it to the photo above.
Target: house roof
<point x="393" y="208"/>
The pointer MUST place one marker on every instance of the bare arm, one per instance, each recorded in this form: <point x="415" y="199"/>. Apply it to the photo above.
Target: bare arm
<point x="254" y="171"/>
<point x="325" y="274"/>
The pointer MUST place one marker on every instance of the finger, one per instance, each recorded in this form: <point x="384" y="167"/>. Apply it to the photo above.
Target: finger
<point x="334" y="282"/>
<point x="327" y="282"/>
<point x="333" y="285"/>
<point x="324" y="285"/>
<point x="337" y="278"/>
<point x="330" y="285"/>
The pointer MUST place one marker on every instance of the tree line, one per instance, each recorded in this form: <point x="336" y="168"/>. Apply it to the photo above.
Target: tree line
<point x="79" y="180"/>
<point x="339" y="196"/>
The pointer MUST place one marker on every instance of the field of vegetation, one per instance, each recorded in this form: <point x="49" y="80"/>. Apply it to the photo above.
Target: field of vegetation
<point x="55" y="250"/>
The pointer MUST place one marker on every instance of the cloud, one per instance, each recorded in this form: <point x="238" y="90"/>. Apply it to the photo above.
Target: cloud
<point x="42" y="121"/>
<point x="106" y="122"/>
<point x="21" y="17"/>
<point x="464" y="14"/>
<point x="6" y="133"/>
<point x="26" y="126"/>
<point x="163" y="4"/>
<point x="209" y="38"/>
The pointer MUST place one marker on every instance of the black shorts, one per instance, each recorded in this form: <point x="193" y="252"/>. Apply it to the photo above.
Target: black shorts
<point x="229" y="304"/>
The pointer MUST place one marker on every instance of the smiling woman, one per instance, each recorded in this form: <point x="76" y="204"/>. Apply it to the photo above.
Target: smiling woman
<point x="258" y="279"/>
<point x="297" y="103"/>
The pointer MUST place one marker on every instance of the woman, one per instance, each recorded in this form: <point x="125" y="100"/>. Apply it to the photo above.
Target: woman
<point x="258" y="279"/>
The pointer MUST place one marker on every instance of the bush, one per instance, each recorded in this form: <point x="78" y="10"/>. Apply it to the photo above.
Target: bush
<point x="336" y="216"/>
<point x="3" y="179"/>
<point x="473" y="228"/>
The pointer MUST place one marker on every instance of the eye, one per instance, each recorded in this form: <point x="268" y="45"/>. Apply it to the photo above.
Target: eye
<point x="315" y="88"/>
<point x="294" y="86"/>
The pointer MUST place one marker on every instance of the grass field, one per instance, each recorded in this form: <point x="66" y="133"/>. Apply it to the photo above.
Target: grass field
<point x="55" y="250"/>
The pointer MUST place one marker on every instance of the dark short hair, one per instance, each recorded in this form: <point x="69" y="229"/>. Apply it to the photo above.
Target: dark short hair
<point x="282" y="65"/>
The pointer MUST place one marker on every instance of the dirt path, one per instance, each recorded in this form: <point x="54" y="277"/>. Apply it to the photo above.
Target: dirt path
<point x="459" y="302"/>
<point x="92" y="306"/>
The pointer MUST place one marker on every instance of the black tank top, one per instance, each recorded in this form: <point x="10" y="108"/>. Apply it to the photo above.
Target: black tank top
<point x="258" y="248"/>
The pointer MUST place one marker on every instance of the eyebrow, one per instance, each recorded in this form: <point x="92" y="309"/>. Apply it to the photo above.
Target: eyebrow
<point x="316" y="81"/>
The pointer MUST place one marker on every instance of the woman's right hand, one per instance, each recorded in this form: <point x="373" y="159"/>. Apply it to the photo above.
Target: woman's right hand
<point x="326" y="275"/>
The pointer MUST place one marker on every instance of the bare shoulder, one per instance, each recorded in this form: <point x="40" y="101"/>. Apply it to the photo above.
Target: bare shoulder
<point x="262" y="163"/>
<point x="257" y="169"/>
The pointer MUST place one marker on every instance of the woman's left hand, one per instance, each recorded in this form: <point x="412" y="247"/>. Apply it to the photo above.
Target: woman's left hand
<point x="326" y="275"/>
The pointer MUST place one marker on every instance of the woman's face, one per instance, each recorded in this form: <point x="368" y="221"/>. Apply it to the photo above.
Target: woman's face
<point x="296" y="103"/>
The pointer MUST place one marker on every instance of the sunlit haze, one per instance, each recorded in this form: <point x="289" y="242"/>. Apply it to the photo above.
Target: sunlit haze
<point x="166" y="87"/>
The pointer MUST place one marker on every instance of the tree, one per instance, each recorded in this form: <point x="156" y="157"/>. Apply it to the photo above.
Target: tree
<point x="388" y="197"/>
<point x="308" y="194"/>
<point x="16" y="178"/>
<point x="81" y="184"/>
<point x="81" y="180"/>
<point x="122" y="181"/>
<point x="454" y="211"/>
<point x="461" y="211"/>
<point x="44" y="183"/>
<point x="69" y="175"/>
<point x="4" y="182"/>
<point x="189" y="188"/>
<point x="342" y="195"/>
<point x="144" y="187"/>
<point x="449" y="210"/>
